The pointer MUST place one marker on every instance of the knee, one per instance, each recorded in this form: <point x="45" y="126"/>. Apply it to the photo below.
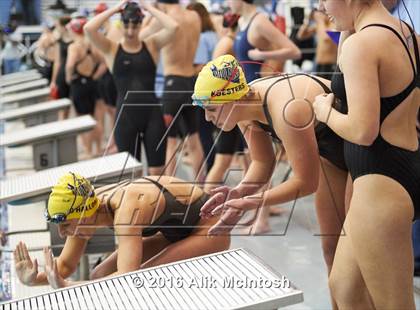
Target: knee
<point x="96" y="273"/>
<point x="346" y="293"/>
<point x="222" y="243"/>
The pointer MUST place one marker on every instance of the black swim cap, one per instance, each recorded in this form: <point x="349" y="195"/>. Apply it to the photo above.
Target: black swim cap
<point x="132" y="13"/>
<point x="249" y="1"/>
<point x="169" y="1"/>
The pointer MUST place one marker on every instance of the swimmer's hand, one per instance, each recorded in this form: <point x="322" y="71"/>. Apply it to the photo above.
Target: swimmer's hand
<point x="51" y="270"/>
<point x="120" y="6"/>
<point x="256" y="55"/>
<point x="219" y="196"/>
<point x="323" y="105"/>
<point x="233" y="210"/>
<point x="26" y="269"/>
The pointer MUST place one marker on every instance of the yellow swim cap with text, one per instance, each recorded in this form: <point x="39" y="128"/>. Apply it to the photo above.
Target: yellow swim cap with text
<point x="73" y="196"/>
<point x="222" y="80"/>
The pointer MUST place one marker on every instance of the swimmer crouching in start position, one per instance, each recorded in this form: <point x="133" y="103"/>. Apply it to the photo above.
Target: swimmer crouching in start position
<point x="156" y="221"/>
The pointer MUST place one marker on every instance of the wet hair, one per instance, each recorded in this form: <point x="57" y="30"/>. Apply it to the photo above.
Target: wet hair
<point x="64" y="20"/>
<point x="169" y="1"/>
<point x="206" y="23"/>
<point x="248" y="1"/>
<point x="132" y="13"/>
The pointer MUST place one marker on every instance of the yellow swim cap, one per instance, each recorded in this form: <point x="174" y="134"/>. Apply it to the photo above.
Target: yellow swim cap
<point x="222" y="80"/>
<point x="73" y="197"/>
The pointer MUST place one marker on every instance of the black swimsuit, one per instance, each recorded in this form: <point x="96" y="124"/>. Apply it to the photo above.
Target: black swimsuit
<point x="330" y="145"/>
<point x="382" y="157"/>
<point x="139" y="117"/>
<point x="177" y="221"/>
<point x="83" y="89"/>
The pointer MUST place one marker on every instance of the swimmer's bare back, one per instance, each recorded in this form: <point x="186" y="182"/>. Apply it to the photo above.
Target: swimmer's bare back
<point x="178" y="55"/>
<point x="148" y="195"/>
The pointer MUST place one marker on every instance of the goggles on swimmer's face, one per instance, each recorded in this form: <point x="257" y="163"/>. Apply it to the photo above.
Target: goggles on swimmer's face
<point x="202" y="102"/>
<point x="56" y="218"/>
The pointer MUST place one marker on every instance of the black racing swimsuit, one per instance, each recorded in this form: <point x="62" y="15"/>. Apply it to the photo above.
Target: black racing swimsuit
<point x="177" y="220"/>
<point x="382" y="157"/>
<point x="83" y="89"/>
<point x="139" y="116"/>
<point x="330" y="145"/>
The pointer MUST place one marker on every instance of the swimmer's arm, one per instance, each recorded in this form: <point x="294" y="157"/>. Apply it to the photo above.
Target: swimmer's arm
<point x="303" y="157"/>
<point x="128" y="229"/>
<point x="98" y="39"/>
<point x="263" y="159"/>
<point x="223" y="47"/>
<point x="360" y="66"/>
<point x="67" y="261"/>
<point x="71" y="62"/>
<point x="305" y="32"/>
<point x="154" y="30"/>
<point x="288" y="49"/>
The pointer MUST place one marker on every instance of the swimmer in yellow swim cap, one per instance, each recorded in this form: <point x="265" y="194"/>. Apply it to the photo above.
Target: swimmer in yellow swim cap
<point x="155" y="219"/>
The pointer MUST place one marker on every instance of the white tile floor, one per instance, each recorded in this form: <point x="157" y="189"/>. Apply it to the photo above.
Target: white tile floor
<point x="291" y="247"/>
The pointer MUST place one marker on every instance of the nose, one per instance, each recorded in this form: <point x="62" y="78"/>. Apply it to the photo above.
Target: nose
<point x="321" y="6"/>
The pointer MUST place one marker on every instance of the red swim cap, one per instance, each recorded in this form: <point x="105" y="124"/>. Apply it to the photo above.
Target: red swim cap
<point x="100" y="7"/>
<point x="76" y="25"/>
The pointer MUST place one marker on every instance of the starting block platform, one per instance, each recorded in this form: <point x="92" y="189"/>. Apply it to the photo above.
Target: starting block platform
<point x="36" y="114"/>
<point x="233" y="279"/>
<point x="54" y="144"/>
<point x="22" y="78"/>
<point x="35" y="84"/>
<point x="26" y="98"/>
<point x="37" y="186"/>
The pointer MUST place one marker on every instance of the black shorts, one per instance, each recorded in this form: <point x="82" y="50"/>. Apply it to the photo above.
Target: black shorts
<point x="83" y="95"/>
<point x="107" y="90"/>
<point x="177" y="106"/>
<point x="137" y="123"/>
<point x="229" y="142"/>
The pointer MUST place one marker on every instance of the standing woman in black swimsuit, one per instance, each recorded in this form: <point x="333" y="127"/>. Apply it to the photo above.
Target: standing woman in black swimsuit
<point x="81" y="74"/>
<point x="132" y="63"/>
<point x="376" y="84"/>
<point x="58" y="81"/>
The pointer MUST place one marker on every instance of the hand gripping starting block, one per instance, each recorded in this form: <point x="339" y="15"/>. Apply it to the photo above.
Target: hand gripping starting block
<point x="26" y="98"/>
<point x="233" y="279"/>
<point x="22" y="87"/>
<point x="36" y="114"/>
<point x="54" y="144"/>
